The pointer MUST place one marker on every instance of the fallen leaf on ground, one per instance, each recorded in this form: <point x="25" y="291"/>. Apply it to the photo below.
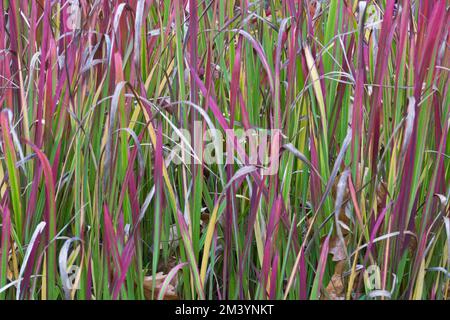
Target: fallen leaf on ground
<point x="158" y="281"/>
<point x="336" y="289"/>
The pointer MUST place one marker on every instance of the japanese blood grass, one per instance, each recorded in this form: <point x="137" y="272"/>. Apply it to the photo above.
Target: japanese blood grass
<point x="96" y="97"/>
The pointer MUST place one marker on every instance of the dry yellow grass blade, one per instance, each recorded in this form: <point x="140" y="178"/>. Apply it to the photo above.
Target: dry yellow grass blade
<point x="418" y="290"/>
<point x="208" y="241"/>
<point x="315" y="81"/>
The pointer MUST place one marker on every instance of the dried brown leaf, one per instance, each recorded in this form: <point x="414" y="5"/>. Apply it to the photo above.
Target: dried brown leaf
<point x="337" y="248"/>
<point x="158" y="281"/>
<point x="336" y="288"/>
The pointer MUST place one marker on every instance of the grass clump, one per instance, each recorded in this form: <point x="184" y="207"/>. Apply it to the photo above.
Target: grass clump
<point x="103" y="191"/>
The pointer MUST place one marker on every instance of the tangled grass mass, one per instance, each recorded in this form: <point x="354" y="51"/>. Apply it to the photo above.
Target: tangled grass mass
<point x="325" y="125"/>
